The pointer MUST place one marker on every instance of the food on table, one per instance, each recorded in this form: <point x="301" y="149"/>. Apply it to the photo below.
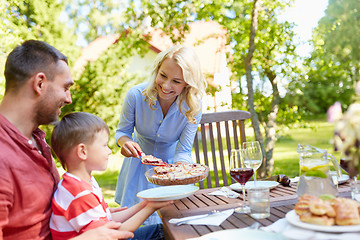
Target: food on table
<point x="347" y="211"/>
<point x="327" y="197"/>
<point x="302" y="206"/>
<point x="335" y="211"/>
<point x="151" y="160"/>
<point x="180" y="173"/>
<point x="320" y="207"/>
<point x="182" y="170"/>
<point x="317" y="219"/>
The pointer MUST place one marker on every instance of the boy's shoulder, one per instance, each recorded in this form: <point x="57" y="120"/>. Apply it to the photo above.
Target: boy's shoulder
<point x="73" y="185"/>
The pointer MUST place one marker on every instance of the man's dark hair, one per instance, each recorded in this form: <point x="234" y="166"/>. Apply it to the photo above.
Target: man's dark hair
<point x="31" y="57"/>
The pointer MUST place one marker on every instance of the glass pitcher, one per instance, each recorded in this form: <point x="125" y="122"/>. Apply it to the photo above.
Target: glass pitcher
<point x="315" y="178"/>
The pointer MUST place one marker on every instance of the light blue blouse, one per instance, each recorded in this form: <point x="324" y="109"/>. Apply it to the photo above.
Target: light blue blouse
<point x="170" y="139"/>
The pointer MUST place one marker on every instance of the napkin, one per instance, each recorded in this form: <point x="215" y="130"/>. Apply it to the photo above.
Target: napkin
<point x="296" y="233"/>
<point x="224" y="191"/>
<point x="214" y="219"/>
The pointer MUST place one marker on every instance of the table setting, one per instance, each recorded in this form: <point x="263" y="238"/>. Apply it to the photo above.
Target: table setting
<point x="226" y="212"/>
<point x="214" y="218"/>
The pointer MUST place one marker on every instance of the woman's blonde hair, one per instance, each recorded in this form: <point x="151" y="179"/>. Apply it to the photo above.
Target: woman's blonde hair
<point x="192" y="94"/>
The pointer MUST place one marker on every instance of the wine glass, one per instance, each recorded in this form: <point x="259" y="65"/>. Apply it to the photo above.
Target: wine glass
<point x="241" y="174"/>
<point x="252" y="156"/>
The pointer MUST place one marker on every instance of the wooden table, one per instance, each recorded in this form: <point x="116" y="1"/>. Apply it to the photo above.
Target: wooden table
<point x="282" y="200"/>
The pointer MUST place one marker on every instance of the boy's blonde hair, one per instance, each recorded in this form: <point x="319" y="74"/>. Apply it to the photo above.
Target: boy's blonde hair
<point x="192" y="94"/>
<point x="75" y="128"/>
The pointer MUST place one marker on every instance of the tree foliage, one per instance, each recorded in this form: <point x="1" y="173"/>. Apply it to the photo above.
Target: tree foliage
<point x="333" y="67"/>
<point x="34" y="19"/>
<point x="94" y="18"/>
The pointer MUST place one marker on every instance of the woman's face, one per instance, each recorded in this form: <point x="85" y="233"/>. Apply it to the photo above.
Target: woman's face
<point x="169" y="81"/>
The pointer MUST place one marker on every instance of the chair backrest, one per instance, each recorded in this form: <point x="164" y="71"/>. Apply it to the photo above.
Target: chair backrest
<point x="219" y="133"/>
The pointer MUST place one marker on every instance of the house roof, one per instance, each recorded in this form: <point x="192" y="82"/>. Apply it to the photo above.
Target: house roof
<point x="207" y="38"/>
<point x="92" y="51"/>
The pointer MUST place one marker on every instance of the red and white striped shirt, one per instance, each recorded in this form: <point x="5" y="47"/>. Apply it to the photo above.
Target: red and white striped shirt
<point x="77" y="207"/>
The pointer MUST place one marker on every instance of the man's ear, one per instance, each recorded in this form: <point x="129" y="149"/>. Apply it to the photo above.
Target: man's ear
<point x="81" y="151"/>
<point x="39" y="82"/>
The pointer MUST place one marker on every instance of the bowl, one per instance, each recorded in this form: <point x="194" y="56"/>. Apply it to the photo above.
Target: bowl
<point x="154" y="179"/>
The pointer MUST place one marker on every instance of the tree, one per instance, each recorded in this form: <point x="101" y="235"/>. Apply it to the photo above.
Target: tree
<point x="94" y="18"/>
<point x="264" y="47"/>
<point x="333" y="67"/>
<point x="34" y="19"/>
<point x="8" y="39"/>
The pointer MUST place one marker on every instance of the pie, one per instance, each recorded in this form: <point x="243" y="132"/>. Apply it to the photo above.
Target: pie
<point x="177" y="174"/>
<point x="151" y="160"/>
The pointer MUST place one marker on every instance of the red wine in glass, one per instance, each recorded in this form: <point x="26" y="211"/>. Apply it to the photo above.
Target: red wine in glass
<point x="241" y="175"/>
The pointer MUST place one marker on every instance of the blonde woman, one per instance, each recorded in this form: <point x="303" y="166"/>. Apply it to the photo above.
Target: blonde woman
<point x="159" y="118"/>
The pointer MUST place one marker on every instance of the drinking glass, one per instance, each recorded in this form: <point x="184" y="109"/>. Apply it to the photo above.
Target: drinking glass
<point x="252" y="156"/>
<point x="259" y="199"/>
<point x="241" y="174"/>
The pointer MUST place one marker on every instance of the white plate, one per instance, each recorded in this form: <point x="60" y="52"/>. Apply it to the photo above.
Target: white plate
<point x="173" y="192"/>
<point x="243" y="234"/>
<point x="341" y="180"/>
<point x="250" y="184"/>
<point x="293" y="219"/>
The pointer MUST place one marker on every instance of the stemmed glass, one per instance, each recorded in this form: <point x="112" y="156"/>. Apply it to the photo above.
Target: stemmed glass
<point x="253" y="156"/>
<point x="241" y="174"/>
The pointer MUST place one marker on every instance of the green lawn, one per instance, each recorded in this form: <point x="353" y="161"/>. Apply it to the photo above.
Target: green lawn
<point x="318" y="133"/>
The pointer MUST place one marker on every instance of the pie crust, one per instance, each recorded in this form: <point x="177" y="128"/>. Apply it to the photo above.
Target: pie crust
<point x="177" y="174"/>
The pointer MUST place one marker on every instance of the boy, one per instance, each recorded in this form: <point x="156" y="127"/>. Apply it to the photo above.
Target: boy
<point x="80" y="141"/>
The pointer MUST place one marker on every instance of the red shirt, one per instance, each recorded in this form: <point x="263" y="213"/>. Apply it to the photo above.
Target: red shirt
<point x="78" y="206"/>
<point x="28" y="180"/>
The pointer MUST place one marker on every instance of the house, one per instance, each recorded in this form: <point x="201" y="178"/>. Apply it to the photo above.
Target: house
<point x="207" y="38"/>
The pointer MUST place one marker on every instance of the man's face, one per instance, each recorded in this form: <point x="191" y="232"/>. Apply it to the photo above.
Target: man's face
<point x="56" y="95"/>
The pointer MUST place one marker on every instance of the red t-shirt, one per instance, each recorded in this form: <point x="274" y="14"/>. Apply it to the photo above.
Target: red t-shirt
<point x="28" y="179"/>
<point x="78" y="206"/>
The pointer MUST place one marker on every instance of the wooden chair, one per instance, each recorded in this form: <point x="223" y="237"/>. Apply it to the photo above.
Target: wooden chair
<point x="220" y="132"/>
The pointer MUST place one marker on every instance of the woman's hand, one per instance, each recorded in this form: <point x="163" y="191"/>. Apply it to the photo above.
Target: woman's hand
<point x="129" y="148"/>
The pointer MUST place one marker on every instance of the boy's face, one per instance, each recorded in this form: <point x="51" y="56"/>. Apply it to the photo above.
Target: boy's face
<point x="98" y="152"/>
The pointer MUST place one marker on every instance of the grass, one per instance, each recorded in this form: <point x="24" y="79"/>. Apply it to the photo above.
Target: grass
<point x="286" y="159"/>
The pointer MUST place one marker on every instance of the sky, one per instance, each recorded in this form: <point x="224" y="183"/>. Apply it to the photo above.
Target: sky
<point x="305" y="14"/>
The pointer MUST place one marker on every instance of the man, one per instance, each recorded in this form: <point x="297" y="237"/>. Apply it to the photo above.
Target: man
<point x="37" y="86"/>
